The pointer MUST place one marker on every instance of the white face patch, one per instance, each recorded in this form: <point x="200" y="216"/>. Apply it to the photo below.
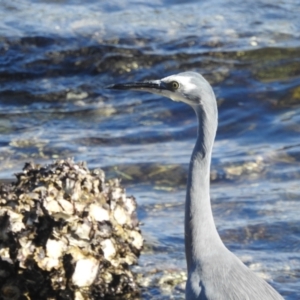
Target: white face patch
<point x="182" y="80"/>
<point x="173" y="96"/>
<point x="185" y="84"/>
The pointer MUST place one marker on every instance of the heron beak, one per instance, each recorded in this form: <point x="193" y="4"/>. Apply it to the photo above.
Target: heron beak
<point x="139" y="86"/>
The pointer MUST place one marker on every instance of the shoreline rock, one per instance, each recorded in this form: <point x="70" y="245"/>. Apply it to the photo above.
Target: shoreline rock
<point x="66" y="233"/>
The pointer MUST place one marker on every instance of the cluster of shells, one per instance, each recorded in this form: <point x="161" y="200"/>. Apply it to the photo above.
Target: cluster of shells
<point x="65" y="233"/>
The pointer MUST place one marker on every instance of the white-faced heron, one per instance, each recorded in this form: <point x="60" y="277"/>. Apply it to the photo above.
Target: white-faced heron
<point x="214" y="273"/>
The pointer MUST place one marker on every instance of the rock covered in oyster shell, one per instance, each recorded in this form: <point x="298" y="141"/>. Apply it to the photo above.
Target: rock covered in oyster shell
<point x="65" y="233"/>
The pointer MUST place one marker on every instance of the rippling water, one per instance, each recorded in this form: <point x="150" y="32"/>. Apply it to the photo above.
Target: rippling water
<point x="57" y="57"/>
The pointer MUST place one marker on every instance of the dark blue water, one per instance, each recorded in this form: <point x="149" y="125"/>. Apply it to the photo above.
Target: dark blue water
<point x="56" y="57"/>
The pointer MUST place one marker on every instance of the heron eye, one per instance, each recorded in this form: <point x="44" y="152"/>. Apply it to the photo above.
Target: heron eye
<point x="174" y="85"/>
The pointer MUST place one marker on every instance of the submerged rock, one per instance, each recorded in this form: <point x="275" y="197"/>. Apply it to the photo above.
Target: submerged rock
<point x="65" y="233"/>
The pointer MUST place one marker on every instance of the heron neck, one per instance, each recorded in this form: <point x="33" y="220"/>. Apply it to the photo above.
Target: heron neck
<point x="201" y="236"/>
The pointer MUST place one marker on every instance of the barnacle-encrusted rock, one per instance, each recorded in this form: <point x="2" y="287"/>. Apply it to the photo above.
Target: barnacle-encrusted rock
<point x="65" y="233"/>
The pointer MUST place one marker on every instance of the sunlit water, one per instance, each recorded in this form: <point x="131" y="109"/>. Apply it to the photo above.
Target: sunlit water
<point x="56" y="57"/>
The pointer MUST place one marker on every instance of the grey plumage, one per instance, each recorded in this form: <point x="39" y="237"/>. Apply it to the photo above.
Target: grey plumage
<point x="214" y="273"/>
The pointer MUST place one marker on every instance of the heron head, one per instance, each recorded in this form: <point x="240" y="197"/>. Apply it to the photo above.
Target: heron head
<point x="187" y="87"/>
